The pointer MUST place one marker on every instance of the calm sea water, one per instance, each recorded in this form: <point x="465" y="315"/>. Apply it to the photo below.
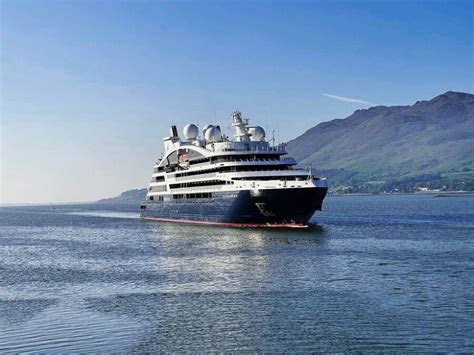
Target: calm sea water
<point x="375" y="273"/>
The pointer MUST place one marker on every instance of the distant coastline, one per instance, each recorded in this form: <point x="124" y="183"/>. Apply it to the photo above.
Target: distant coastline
<point x="430" y="193"/>
<point x="137" y="195"/>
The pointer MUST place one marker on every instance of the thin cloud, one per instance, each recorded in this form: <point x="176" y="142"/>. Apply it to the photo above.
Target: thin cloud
<point x="348" y="99"/>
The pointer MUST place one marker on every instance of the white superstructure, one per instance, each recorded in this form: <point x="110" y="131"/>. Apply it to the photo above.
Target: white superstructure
<point x="201" y="164"/>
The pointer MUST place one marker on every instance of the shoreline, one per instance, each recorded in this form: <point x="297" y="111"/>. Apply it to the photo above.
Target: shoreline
<point x="428" y="193"/>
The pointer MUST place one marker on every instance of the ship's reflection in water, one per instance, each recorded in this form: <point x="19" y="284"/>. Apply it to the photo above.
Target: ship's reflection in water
<point x="201" y="259"/>
<point x="222" y="286"/>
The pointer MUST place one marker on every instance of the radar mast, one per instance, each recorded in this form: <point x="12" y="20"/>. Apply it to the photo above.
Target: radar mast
<point x="240" y="125"/>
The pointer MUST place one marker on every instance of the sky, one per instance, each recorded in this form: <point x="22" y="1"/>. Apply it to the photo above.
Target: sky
<point x="88" y="89"/>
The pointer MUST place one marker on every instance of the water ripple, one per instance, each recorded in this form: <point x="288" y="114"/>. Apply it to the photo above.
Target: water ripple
<point x="372" y="274"/>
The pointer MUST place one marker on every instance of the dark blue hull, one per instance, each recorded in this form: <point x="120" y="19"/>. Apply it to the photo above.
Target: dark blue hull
<point x="273" y="207"/>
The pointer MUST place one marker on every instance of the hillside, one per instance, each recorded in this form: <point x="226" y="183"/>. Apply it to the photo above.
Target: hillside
<point x="130" y="196"/>
<point x="398" y="148"/>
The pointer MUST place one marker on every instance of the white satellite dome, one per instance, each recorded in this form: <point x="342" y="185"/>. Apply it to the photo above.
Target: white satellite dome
<point x="198" y="143"/>
<point x="257" y="133"/>
<point x="205" y="128"/>
<point x="190" y="132"/>
<point x="213" y="135"/>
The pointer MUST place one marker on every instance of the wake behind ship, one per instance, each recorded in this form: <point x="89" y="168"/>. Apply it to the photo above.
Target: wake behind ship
<point x="245" y="182"/>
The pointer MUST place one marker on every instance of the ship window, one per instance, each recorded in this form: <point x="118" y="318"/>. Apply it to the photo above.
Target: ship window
<point x="198" y="183"/>
<point x="198" y="195"/>
<point x="286" y="178"/>
<point x="193" y="155"/>
<point x="159" y="188"/>
<point x="224" y="169"/>
<point x="151" y="198"/>
<point x="198" y="161"/>
<point x="245" y="157"/>
<point x="173" y="158"/>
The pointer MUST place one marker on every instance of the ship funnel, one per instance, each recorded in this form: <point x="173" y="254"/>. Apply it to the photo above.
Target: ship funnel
<point x="174" y="132"/>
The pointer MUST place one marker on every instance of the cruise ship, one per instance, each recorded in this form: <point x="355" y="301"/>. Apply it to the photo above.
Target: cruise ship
<point x="247" y="181"/>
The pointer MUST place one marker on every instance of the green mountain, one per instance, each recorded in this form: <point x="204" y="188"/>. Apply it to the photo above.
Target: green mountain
<point x="398" y="148"/>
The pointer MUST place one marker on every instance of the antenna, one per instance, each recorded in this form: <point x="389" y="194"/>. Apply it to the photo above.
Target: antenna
<point x="266" y="121"/>
<point x="278" y="131"/>
<point x="215" y="115"/>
